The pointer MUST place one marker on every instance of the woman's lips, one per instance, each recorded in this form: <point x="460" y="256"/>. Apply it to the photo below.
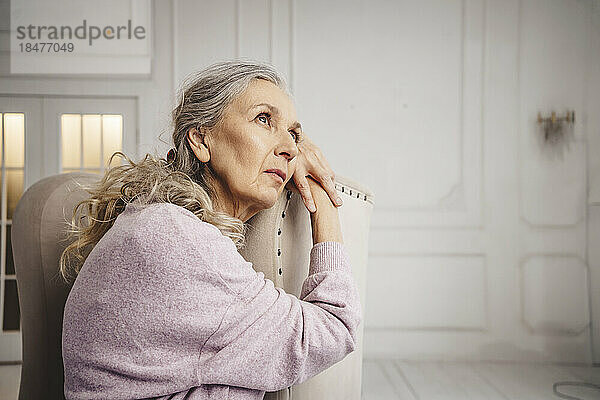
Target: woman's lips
<point x="277" y="172"/>
<point x="274" y="175"/>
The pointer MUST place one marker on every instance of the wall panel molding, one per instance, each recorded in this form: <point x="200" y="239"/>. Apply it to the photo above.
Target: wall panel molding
<point x="554" y="294"/>
<point x="461" y="205"/>
<point x="552" y="77"/>
<point x="428" y="292"/>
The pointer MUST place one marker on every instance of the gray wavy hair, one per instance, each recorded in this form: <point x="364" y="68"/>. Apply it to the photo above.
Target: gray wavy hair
<point x="184" y="180"/>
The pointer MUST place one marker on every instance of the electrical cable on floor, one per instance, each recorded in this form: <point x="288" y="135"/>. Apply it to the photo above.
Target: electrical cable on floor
<point x="567" y="383"/>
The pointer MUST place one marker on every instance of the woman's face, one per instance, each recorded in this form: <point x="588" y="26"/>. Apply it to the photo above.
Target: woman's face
<point x="258" y="132"/>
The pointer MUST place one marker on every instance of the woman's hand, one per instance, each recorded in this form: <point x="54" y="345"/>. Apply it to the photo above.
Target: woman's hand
<point x="311" y="161"/>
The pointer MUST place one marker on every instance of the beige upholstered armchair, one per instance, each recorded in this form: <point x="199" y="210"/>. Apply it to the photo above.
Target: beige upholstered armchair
<point x="278" y="244"/>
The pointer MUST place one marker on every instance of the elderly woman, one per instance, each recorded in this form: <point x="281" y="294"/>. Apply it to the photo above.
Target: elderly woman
<point x="163" y="304"/>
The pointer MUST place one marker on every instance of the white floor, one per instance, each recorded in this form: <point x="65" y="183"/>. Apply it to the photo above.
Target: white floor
<point x="427" y="380"/>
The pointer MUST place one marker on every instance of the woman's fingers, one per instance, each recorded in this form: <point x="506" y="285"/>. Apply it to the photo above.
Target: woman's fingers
<point x="327" y="182"/>
<point x="329" y="186"/>
<point x="304" y="189"/>
<point x="315" y="164"/>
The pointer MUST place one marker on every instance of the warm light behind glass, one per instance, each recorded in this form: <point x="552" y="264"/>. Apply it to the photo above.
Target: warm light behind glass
<point x="12" y="177"/>
<point x="14" y="159"/>
<point x="14" y="190"/>
<point x="70" y="130"/>
<point x="97" y="136"/>
<point x="92" y="126"/>
<point x="14" y="140"/>
<point x="112" y="128"/>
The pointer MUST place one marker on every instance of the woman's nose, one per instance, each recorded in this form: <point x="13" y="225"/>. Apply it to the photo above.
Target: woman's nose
<point x="287" y="148"/>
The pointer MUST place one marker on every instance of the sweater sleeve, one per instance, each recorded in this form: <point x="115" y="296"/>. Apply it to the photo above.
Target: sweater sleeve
<point x="269" y="339"/>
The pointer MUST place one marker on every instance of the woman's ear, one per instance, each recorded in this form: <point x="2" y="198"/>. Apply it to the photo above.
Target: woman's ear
<point x="198" y="145"/>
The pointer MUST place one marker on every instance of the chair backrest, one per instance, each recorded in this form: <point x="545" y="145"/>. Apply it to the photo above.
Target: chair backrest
<point x="38" y="232"/>
<point x="278" y="244"/>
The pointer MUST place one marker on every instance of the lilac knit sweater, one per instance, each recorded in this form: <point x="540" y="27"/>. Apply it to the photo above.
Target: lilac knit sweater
<point x="165" y="307"/>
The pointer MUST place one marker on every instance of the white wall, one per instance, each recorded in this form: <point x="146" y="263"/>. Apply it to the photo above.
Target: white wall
<point x="479" y="244"/>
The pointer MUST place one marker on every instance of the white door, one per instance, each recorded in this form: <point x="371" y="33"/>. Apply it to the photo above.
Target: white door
<point x="43" y="136"/>
<point x="20" y="124"/>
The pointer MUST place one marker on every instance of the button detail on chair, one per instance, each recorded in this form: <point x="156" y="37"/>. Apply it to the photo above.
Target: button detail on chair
<point x="270" y="251"/>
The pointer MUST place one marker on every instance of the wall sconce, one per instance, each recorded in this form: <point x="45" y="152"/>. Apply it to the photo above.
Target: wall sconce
<point x="556" y="128"/>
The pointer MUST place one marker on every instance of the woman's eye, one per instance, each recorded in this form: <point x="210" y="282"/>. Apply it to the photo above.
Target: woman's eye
<point x="264" y="118"/>
<point x="297" y="136"/>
